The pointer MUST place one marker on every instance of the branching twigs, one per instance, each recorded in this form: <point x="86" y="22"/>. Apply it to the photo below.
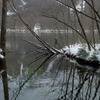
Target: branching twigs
<point x="59" y="67"/>
<point x="50" y="51"/>
<point x="55" y="76"/>
<point x="44" y="43"/>
<point x="55" y="18"/>
<point x="20" y="88"/>
<point x="37" y="59"/>
<point x="81" y="26"/>
<point x="36" y="45"/>
<point x="78" y="11"/>
<point x="79" y="89"/>
<point x="93" y="8"/>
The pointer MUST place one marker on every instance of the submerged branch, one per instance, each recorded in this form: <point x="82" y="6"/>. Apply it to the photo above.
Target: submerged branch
<point x="95" y="64"/>
<point x="49" y="48"/>
<point x="84" y="62"/>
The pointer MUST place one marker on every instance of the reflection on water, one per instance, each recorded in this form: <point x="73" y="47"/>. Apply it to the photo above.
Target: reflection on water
<point x="57" y="79"/>
<point x="61" y="81"/>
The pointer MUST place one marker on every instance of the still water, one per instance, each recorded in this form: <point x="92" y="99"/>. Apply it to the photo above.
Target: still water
<point x="56" y="79"/>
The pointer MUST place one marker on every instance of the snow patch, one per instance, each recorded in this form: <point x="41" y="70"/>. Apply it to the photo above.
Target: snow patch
<point x="23" y="2"/>
<point x="9" y="13"/>
<point x="1" y="56"/>
<point x="76" y="49"/>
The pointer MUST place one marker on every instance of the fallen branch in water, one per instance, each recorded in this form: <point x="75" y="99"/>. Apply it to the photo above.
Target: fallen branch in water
<point x="84" y="62"/>
<point x="50" y="49"/>
<point x="94" y="64"/>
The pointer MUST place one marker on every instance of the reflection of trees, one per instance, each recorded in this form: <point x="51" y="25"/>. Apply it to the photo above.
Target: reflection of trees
<point x="75" y="82"/>
<point x="78" y="83"/>
<point x="81" y="85"/>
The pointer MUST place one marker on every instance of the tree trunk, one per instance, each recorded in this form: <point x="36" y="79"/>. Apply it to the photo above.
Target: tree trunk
<point x="3" y="46"/>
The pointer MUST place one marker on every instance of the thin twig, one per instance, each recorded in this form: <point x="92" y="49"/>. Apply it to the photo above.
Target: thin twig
<point x="20" y="88"/>
<point x="77" y="11"/>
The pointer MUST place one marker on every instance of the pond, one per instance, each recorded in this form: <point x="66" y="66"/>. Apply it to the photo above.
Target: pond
<point x="54" y="78"/>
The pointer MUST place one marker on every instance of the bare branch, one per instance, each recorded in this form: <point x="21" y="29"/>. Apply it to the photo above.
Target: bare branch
<point x="78" y="11"/>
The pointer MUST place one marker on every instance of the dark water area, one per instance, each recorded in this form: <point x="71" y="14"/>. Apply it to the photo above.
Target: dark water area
<point x="56" y="79"/>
